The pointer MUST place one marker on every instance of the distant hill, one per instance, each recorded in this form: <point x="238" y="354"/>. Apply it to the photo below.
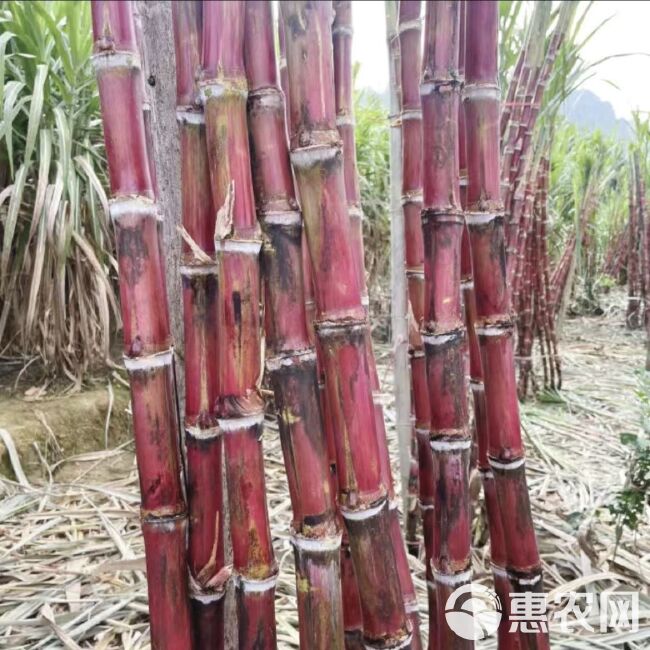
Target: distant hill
<point x="583" y="108"/>
<point x="586" y="110"/>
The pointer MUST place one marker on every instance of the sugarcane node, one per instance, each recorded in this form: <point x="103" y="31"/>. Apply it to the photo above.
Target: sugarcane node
<point x="129" y="208"/>
<point x="484" y="214"/>
<point x="267" y="98"/>
<point x="321" y="148"/>
<point x="351" y="330"/>
<point x="163" y="519"/>
<point x="224" y="88"/>
<point x="442" y="215"/>
<point x="440" y="85"/>
<point x="111" y="59"/>
<point x="141" y="363"/>
<point x="502" y="327"/>
<point x="190" y="116"/>
<point x="443" y="336"/>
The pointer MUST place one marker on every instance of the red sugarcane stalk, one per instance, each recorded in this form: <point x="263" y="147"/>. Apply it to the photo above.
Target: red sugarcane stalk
<point x="203" y="440"/>
<point x="443" y="329"/>
<point x="410" y="30"/>
<point x="342" y="52"/>
<point x="502" y="585"/>
<point x="341" y="324"/>
<point x="494" y="326"/>
<point x="291" y="362"/>
<point x="644" y="246"/>
<point x="148" y="354"/>
<point x="237" y="242"/>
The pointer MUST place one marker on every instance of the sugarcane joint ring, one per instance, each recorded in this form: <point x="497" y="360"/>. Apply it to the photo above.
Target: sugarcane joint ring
<point x="342" y="329"/>
<point x="444" y="215"/>
<point x="166" y="518"/>
<point x="364" y="511"/>
<point x="110" y="59"/>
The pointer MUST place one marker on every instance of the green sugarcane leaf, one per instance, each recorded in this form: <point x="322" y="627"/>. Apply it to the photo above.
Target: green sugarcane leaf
<point x="12" y="90"/>
<point x="35" y="111"/>
<point x="85" y="166"/>
<point x="36" y="275"/>
<point x="44" y="157"/>
<point x="11" y="221"/>
<point x="4" y="39"/>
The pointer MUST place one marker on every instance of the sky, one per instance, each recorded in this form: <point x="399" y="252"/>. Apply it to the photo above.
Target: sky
<point x="622" y="81"/>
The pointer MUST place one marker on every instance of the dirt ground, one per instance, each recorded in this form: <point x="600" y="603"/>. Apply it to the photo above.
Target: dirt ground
<point x="71" y="565"/>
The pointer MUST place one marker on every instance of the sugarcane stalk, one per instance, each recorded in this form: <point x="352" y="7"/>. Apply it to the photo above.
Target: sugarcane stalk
<point x="291" y="360"/>
<point x="148" y="354"/>
<point x="342" y="52"/>
<point x="443" y="329"/>
<point x="237" y="243"/>
<point x="203" y="439"/>
<point x="341" y="324"/>
<point x="409" y="31"/>
<point x="494" y="326"/>
<point x="399" y="295"/>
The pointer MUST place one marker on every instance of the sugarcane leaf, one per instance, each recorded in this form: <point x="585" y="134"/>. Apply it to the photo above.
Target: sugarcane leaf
<point x="5" y="37"/>
<point x="45" y="156"/>
<point x="36" y="275"/>
<point x="12" y="89"/>
<point x="35" y="111"/>
<point x="84" y="165"/>
<point x="11" y="221"/>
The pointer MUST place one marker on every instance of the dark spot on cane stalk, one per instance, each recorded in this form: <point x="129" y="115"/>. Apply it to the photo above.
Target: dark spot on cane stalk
<point x="151" y="80"/>
<point x="236" y="303"/>
<point x="132" y="253"/>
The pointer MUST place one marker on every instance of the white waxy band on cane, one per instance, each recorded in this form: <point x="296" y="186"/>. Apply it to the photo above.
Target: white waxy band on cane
<point x="343" y="30"/>
<point x="450" y="445"/>
<point x="283" y="218"/>
<point x="408" y="25"/>
<point x="481" y="91"/>
<point x="454" y="579"/>
<point x="307" y="157"/>
<point x="132" y="207"/>
<point x="236" y="424"/>
<point x="481" y="218"/>
<point x="189" y="270"/>
<point x="492" y="330"/>
<point x="257" y="586"/>
<point x="206" y="599"/>
<point x="110" y="60"/>
<point x="203" y="434"/>
<point x="527" y="581"/>
<point x="413" y="114"/>
<point x="188" y="116"/>
<point x="246" y="246"/>
<point x="360" y="515"/>
<point x="267" y="98"/>
<point x="344" y="120"/>
<point x="516" y="464"/>
<point x="324" y="545"/>
<point x="442" y="339"/>
<point x="213" y="89"/>
<point x="499" y="571"/>
<point x="149" y="361"/>
<point x="286" y="360"/>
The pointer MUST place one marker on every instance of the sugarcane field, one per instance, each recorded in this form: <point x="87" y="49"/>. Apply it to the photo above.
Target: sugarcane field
<point x="324" y="325"/>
